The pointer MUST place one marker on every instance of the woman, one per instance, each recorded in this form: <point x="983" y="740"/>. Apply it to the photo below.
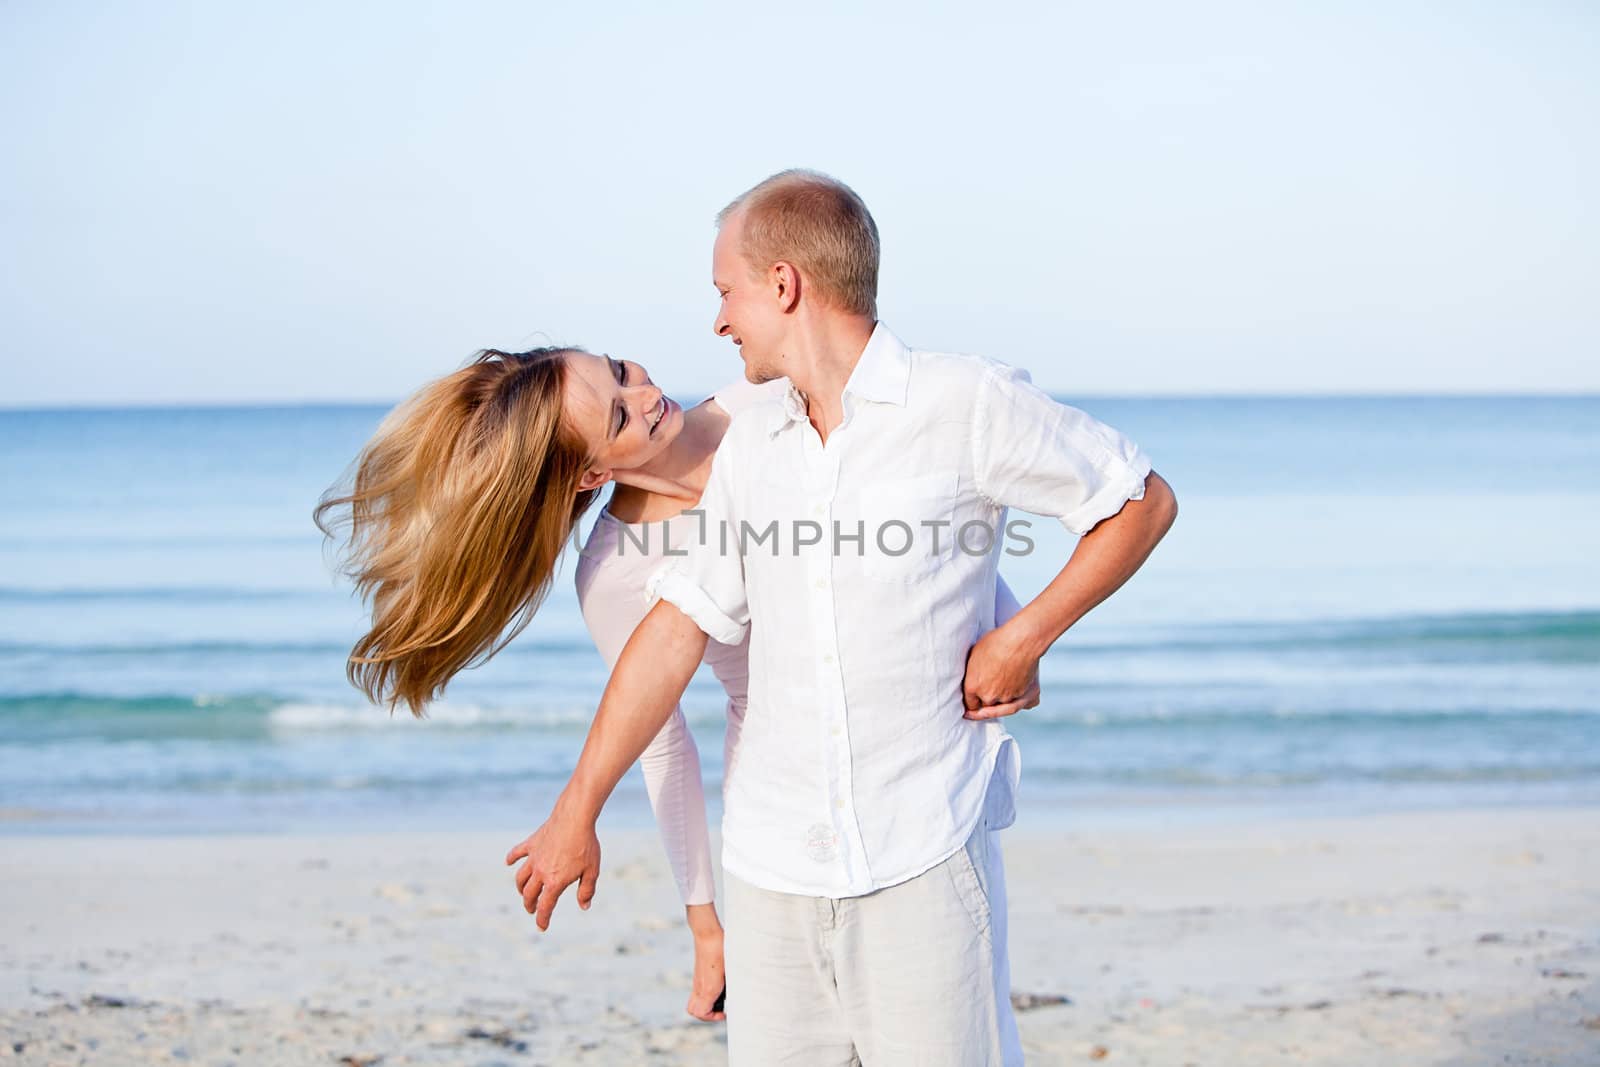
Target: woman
<point x="459" y="508"/>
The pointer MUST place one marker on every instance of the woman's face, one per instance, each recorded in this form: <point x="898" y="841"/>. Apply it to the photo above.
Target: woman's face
<point x="622" y="417"/>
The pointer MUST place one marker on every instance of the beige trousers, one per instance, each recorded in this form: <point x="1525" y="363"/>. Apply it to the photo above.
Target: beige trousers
<point x="914" y="974"/>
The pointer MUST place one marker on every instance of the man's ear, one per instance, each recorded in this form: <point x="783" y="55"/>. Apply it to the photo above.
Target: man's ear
<point x="593" y="480"/>
<point x="786" y="285"/>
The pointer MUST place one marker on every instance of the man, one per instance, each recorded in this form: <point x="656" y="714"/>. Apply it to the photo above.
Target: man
<point x="855" y="530"/>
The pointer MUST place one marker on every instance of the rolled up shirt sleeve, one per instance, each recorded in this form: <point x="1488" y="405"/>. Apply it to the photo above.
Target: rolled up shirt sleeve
<point x="1034" y="453"/>
<point x="707" y="581"/>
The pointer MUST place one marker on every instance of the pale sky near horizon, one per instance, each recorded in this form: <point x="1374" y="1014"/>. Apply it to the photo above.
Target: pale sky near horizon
<point x="229" y="203"/>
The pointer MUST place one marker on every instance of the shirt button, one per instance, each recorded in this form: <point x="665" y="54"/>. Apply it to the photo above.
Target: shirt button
<point x="822" y="583"/>
<point x="819" y="509"/>
<point x="836" y="731"/>
<point x="838" y="802"/>
<point x="827" y="657"/>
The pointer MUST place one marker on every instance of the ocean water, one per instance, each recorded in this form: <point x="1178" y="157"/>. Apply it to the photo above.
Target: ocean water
<point x="1365" y="603"/>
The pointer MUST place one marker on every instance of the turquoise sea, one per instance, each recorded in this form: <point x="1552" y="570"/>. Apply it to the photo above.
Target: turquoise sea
<point x="1366" y="602"/>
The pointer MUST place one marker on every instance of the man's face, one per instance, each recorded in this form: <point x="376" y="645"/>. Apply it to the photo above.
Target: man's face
<point x="750" y="313"/>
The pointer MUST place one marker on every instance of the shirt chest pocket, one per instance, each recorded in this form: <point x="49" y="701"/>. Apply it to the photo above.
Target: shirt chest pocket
<point x="908" y="526"/>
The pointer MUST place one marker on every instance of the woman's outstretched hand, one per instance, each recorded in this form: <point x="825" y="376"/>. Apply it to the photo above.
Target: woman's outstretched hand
<point x="709" y="980"/>
<point x="562" y="851"/>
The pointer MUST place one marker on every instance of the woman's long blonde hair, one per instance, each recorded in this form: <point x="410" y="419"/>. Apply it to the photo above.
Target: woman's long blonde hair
<point x="458" y="508"/>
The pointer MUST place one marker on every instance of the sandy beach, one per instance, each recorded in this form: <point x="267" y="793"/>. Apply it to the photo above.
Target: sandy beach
<point x="1465" y="937"/>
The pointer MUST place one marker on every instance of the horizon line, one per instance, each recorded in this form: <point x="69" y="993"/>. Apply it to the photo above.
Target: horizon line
<point x="263" y="405"/>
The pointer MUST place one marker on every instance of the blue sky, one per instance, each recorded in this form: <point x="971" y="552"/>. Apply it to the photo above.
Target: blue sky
<point x="231" y="203"/>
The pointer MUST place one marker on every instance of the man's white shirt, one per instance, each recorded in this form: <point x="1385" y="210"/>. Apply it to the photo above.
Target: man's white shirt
<point x="864" y="571"/>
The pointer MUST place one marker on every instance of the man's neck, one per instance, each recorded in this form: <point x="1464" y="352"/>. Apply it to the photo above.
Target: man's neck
<point x="821" y="358"/>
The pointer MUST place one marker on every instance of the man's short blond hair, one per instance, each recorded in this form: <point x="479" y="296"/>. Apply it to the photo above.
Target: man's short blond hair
<point x="821" y="226"/>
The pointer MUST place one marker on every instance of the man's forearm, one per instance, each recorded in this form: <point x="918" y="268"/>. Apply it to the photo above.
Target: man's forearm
<point x="646" y="684"/>
<point x="1106" y="557"/>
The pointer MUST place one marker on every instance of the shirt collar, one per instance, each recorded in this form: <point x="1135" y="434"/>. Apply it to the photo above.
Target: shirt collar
<point x="880" y="375"/>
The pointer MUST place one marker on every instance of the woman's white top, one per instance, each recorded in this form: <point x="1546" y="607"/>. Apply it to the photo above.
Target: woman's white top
<point x="614" y="567"/>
